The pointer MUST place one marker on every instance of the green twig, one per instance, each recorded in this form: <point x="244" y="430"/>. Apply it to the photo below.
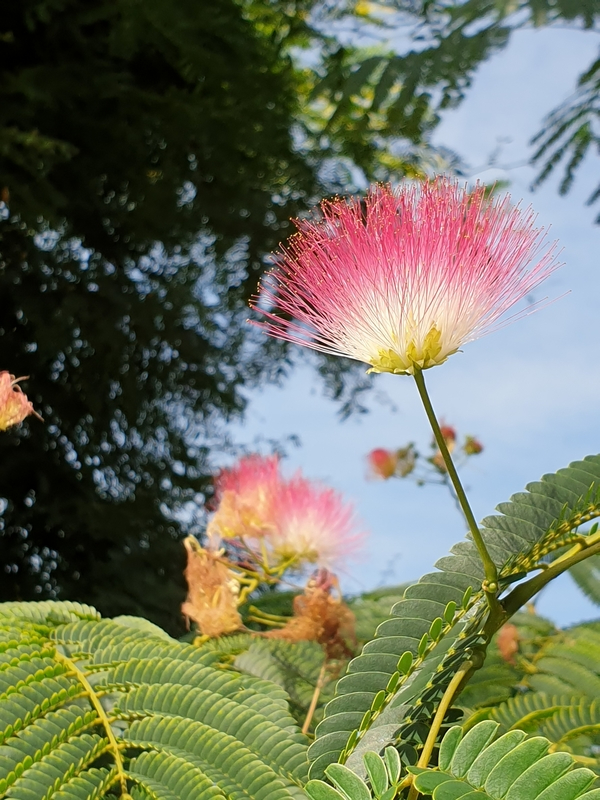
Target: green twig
<point x="526" y="590"/>
<point x="490" y="585"/>
<point x="315" y="698"/>
<point x="113" y="746"/>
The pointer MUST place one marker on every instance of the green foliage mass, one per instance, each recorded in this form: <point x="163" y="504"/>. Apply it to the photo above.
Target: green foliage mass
<point x="392" y="689"/>
<point x="570" y="132"/>
<point x="136" y="124"/>
<point x="382" y="103"/>
<point x="296" y="666"/>
<point x="93" y="708"/>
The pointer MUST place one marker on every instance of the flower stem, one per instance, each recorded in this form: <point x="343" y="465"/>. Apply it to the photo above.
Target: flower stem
<point x="490" y="585"/>
<point x="315" y="697"/>
<point x="438" y="720"/>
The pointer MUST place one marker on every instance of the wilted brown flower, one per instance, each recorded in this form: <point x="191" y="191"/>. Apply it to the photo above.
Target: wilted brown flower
<point x="319" y="617"/>
<point x="14" y="405"/>
<point x="213" y="592"/>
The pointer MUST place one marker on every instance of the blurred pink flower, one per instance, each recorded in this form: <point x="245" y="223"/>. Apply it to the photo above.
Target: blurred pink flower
<point x="296" y="521"/>
<point x="404" y="278"/>
<point x="244" y="494"/>
<point x="314" y="524"/>
<point x="14" y="405"/>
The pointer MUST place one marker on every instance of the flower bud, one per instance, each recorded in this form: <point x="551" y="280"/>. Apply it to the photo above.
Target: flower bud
<point x="382" y="462"/>
<point x="472" y="446"/>
<point x="449" y="433"/>
<point x="407" y="458"/>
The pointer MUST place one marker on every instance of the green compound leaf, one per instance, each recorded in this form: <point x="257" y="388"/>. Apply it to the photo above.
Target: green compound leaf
<point x="347" y="782"/>
<point x="377" y="772"/>
<point x="554" y="677"/>
<point x="569" y="723"/>
<point x="510" y="768"/>
<point x="569" y="663"/>
<point x="93" y="709"/>
<point x="413" y="659"/>
<point x="319" y="790"/>
<point x="348" y="786"/>
<point x="586" y="575"/>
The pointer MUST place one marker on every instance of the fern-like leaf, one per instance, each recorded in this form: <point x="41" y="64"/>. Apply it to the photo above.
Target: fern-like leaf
<point x="93" y="708"/>
<point x="586" y="575"/>
<point x="391" y="690"/>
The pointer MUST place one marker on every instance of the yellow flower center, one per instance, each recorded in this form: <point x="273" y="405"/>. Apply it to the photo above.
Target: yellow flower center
<point x="415" y="356"/>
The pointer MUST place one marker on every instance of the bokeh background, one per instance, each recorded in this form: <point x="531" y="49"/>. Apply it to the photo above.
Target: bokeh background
<point x="150" y="159"/>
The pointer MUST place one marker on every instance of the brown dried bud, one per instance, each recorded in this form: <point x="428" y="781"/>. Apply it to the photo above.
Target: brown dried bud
<point x="508" y="642"/>
<point x="319" y="617"/>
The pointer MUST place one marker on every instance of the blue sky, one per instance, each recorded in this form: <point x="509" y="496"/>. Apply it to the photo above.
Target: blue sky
<point x="530" y="392"/>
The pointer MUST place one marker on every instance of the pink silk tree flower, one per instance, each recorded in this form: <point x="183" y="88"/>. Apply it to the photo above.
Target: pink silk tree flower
<point x="402" y="279"/>
<point x="245" y="494"/>
<point x="313" y="525"/>
<point x="14" y="405"/>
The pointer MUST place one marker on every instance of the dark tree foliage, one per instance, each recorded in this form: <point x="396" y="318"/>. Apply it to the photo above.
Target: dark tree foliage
<point x="146" y="163"/>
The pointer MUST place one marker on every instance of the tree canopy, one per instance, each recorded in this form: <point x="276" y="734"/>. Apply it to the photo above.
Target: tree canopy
<point x="382" y="102"/>
<point x="147" y="163"/>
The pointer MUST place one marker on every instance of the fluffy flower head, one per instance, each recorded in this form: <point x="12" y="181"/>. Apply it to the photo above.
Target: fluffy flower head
<point x="314" y="524"/>
<point x="294" y="522"/>
<point x="402" y="280"/>
<point x="14" y="405"/>
<point x="245" y="498"/>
